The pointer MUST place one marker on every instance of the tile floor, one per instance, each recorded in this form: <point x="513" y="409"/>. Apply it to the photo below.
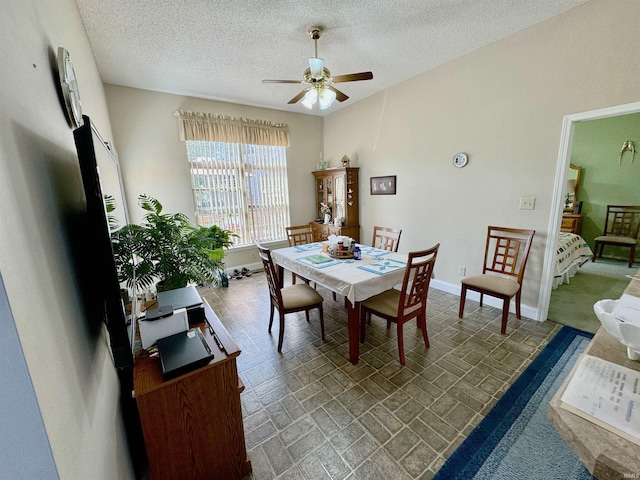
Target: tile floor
<point x="310" y="414"/>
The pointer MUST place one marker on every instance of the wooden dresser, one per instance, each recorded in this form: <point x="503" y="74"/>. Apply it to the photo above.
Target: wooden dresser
<point x="571" y="223"/>
<point x="192" y="424"/>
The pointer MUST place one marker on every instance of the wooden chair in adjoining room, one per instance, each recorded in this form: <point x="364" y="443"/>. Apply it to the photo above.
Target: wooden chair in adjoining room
<point x="505" y="258"/>
<point x="299" y="235"/>
<point x="620" y="230"/>
<point x="386" y="238"/>
<point x="293" y="298"/>
<point x="400" y="306"/>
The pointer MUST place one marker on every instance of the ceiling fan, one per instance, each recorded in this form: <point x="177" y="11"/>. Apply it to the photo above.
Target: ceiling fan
<point x="318" y="80"/>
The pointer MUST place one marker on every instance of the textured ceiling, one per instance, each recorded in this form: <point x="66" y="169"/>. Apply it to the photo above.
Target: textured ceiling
<point x="223" y="49"/>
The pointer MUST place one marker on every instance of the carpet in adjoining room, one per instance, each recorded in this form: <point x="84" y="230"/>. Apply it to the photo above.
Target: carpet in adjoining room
<point x="516" y="440"/>
<point x="572" y="304"/>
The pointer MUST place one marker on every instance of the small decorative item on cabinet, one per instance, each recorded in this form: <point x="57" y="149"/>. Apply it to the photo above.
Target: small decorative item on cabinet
<point x="326" y="211"/>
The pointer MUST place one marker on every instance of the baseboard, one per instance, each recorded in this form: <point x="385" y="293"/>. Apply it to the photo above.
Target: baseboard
<point x="526" y="311"/>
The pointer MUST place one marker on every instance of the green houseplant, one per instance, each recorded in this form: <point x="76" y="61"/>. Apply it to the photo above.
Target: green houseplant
<point x="167" y="249"/>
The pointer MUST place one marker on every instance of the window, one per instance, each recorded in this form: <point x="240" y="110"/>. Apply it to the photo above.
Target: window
<point x="240" y="187"/>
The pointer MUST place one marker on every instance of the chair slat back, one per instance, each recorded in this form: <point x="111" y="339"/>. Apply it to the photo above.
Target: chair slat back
<point x="272" y="275"/>
<point x="417" y="277"/>
<point x="507" y="251"/>
<point x="299" y="235"/>
<point x="622" y="221"/>
<point x="386" y="238"/>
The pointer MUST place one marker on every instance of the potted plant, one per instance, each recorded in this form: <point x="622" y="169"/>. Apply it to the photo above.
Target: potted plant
<point x="166" y="248"/>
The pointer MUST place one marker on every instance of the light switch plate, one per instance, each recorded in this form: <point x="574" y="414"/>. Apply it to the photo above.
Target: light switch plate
<point x="527" y="203"/>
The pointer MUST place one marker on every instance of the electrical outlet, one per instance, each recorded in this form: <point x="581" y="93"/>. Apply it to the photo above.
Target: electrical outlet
<point x="527" y="203"/>
<point x="462" y="271"/>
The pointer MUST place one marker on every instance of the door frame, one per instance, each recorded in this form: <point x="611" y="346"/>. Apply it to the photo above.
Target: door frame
<point x="555" y="219"/>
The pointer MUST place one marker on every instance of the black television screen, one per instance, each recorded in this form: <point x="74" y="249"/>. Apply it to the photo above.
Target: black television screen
<point x="102" y="288"/>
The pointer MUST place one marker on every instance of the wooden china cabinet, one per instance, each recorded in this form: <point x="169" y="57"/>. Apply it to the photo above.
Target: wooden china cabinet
<point x="338" y="188"/>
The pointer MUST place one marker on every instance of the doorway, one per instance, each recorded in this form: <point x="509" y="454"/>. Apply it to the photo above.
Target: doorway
<point x="564" y="156"/>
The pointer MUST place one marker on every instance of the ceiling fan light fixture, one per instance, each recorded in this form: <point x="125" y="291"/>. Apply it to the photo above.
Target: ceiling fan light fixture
<point x="316" y="66"/>
<point x="310" y="98"/>
<point x="326" y="98"/>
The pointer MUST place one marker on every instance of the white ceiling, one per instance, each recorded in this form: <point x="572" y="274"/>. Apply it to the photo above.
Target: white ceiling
<point x="222" y="50"/>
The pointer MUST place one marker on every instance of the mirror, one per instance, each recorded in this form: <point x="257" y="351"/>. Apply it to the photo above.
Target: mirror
<point x="571" y="189"/>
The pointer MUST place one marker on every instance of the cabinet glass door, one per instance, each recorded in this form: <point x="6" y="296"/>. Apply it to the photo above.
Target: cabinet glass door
<point x="339" y="187"/>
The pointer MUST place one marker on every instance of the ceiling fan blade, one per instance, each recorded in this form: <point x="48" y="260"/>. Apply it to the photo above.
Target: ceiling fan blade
<point x="352" y="77"/>
<point x="341" y="97"/>
<point x="297" y="97"/>
<point x="282" y="81"/>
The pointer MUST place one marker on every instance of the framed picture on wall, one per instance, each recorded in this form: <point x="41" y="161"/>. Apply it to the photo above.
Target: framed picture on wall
<point x="383" y="185"/>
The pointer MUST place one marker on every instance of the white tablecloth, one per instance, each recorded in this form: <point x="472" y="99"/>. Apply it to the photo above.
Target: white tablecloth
<point x="354" y="279"/>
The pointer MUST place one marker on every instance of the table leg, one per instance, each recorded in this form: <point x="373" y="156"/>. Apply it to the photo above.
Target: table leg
<point x="281" y="276"/>
<point x="353" y="312"/>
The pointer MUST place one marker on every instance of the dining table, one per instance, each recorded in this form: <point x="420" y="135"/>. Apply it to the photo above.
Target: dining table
<point x="375" y="272"/>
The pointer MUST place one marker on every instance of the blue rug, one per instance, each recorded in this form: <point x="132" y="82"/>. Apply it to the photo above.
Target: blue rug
<point x="516" y="440"/>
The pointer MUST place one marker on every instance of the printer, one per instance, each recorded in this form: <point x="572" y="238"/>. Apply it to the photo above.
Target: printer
<point x="187" y="298"/>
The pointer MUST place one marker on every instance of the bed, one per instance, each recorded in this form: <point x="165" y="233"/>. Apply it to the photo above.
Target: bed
<point x="571" y="253"/>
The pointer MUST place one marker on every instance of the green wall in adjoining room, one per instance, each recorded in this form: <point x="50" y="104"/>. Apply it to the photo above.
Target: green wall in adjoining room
<point x="606" y="181"/>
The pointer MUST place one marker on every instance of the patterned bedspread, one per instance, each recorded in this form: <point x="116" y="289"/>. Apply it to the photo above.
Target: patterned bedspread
<point x="572" y="252"/>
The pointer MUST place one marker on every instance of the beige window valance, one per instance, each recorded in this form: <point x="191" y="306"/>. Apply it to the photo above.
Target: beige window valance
<point x="217" y="128"/>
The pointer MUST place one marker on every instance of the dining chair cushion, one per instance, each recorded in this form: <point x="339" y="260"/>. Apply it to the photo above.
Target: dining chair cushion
<point x="611" y="239"/>
<point x="387" y="303"/>
<point x="502" y="285"/>
<point x="299" y="295"/>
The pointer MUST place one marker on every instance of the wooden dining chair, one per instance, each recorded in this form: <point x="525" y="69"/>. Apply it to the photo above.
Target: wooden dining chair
<point x="293" y="298"/>
<point x="386" y="238"/>
<point x="505" y="258"/>
<point x="621" y="228"/>
<point x="400" y="306"/>
<point x="299" y="235"/>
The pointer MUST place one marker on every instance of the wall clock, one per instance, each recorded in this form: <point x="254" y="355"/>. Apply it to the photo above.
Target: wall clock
<point x="69" y="86"/>
<point x="460" y="159"/>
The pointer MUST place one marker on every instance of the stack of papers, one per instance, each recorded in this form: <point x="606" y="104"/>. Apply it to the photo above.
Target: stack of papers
<point x="628" y="309"/>
<point x="606" y="394"/>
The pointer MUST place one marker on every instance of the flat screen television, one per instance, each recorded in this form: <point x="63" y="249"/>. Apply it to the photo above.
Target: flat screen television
<point x="101" y="288"/>
<point x="103" y="299"/>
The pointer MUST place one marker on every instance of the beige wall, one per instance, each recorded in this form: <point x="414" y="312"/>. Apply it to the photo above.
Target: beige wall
<point x="503" y="105"/>
<point x="40" y="193"/>
<point x="154" y="161"/>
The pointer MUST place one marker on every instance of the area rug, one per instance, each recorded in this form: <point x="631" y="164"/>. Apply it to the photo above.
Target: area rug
<point x="516" y="440"/>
